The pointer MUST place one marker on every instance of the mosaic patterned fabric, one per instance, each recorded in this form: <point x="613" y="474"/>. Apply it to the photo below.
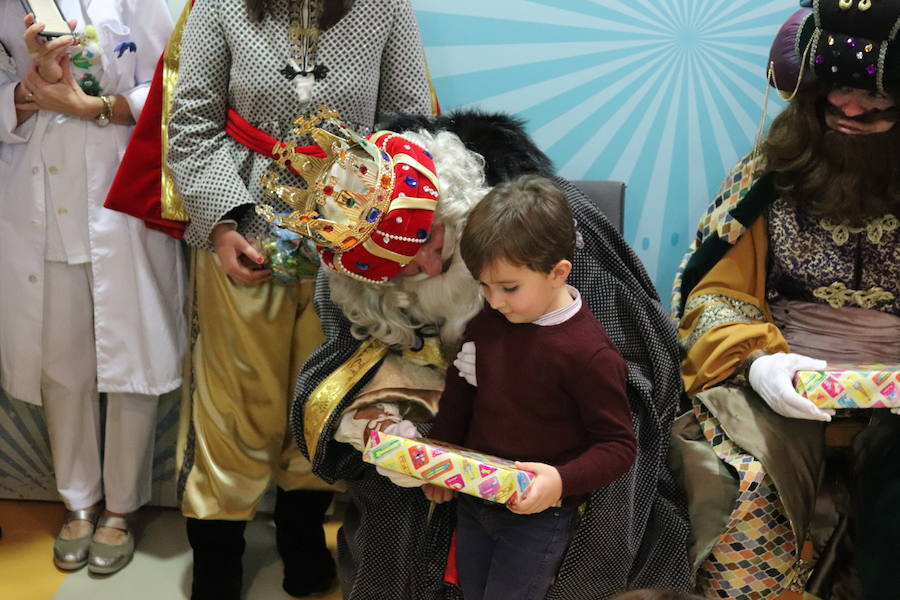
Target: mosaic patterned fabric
<point x="718" y="219"/>
<point x="756" y="557"/>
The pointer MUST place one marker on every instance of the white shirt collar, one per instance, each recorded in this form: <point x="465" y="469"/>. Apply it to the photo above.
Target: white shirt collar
<point x="561" y="315"/>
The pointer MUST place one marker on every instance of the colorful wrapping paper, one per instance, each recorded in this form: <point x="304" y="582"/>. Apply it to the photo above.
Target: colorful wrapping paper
<point x="452" y="467"/>
<point x="851" y="386"/>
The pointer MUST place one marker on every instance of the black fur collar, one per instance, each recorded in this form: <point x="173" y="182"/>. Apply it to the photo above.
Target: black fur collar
<point x="499" y="138"/>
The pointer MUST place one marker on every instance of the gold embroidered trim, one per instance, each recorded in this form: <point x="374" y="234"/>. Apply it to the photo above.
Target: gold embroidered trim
<point x="304" y="32"/>
<point x="329" y="394"/>
<point x="373" y="248"/>
<point x="413" y="203"/>
<point x="406" y="159"/>
<point x="875" y="229"/>
<point x="171" y="205"/>
<point x="298" y="32"/>
<point x="718" y="309"/>
<point x="839" y="295"/>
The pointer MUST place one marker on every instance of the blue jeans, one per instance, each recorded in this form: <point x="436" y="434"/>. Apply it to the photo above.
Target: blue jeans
<point x="501" y="555"/>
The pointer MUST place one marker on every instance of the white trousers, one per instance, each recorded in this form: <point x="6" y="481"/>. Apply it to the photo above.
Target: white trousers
<point x="86" y="472"/>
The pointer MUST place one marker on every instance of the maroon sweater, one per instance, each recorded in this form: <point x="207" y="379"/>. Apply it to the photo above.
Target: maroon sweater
<point x="552" y="394"/>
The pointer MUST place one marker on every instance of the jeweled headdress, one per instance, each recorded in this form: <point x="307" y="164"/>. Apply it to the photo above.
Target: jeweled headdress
<point x="368" y="204"/>
<point x="848" y="42"/>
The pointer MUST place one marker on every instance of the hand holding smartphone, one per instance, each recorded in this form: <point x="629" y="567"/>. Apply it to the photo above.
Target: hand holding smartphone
<point x="48" y="13"/>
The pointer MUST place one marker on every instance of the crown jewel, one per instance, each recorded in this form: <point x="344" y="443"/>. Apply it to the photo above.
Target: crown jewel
<point x="368" y="203"/>
<point x="346" y="191"/>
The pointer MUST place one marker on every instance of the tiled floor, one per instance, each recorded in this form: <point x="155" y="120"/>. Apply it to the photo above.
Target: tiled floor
<point x="161" y="569"/>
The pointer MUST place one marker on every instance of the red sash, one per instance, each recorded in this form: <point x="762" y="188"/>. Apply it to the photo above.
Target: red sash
<point x="136" y="189"/>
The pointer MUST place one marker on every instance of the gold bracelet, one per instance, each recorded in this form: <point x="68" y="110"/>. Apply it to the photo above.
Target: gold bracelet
<point x="103" y="119"/>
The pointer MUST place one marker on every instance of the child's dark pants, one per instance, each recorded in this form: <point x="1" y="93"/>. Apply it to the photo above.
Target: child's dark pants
<point x="502" y="555"/>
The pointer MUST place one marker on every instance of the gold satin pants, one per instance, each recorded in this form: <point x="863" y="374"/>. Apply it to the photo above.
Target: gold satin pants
<point x="249" y="347"/>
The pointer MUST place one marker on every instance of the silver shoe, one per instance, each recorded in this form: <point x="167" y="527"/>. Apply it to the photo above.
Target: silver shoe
<point x="73" y="554"/>
<point x="105" y="559"/>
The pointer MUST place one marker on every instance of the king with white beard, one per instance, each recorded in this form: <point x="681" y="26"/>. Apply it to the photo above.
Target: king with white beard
<point x="391" y="330"/>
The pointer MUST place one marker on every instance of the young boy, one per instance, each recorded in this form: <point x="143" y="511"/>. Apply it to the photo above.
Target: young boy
<point x="550" y="390"/>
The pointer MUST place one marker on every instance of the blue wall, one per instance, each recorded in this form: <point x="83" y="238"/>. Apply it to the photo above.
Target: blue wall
<point x="664" y="95"/>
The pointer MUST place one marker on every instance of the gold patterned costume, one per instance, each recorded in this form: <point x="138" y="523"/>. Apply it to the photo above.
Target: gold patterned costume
<point x="239" y="449"/>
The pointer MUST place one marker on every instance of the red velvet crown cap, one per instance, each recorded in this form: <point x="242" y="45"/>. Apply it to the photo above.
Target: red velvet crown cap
<point x="405" y="226"/>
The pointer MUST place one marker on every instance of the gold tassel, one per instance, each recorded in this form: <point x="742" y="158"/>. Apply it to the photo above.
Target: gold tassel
<point x="771" y="82"/>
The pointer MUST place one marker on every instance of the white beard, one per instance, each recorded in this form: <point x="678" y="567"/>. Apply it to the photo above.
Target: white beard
<point x="447" y="301"/>
<point x="393" y="313"/>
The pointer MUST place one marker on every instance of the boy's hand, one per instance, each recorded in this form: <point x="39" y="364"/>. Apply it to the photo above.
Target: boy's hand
<point x="545" y="490"/>
<point x="437" y="494"/>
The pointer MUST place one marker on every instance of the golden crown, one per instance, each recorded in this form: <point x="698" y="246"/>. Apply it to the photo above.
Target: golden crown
<point x="346" y="191"/>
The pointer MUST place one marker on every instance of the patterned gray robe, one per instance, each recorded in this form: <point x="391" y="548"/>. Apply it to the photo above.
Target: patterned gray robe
<point x="376" y="67"/>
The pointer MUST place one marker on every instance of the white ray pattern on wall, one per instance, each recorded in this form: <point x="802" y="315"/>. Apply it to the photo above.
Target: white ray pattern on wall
<point x="663" y="94"/>
<point x="26" y="468"/>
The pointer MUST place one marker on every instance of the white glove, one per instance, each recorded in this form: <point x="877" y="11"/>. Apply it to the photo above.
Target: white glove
<point x="895" y="411"/>
<point x="408" y="430"/>
<point x="772" y="377"/>
<point x="465" y="362"/>
<point x="353" y="431"/>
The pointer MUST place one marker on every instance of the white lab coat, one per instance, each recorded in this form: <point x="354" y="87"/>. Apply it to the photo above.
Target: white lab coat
<point x="138" y="273"/>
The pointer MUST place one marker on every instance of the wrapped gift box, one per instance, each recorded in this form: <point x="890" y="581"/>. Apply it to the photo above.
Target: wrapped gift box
<point x="851" y="386"/>
<point x="449" y="466"/>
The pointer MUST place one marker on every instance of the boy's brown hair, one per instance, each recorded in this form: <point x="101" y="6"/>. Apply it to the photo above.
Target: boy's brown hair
<point x="525" y="221"/>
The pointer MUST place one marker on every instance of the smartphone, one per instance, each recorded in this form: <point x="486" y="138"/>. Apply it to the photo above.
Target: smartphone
<point x="48" y="13"/>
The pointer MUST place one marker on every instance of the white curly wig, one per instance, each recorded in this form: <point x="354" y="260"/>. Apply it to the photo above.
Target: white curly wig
<point x="392" y="312"/>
